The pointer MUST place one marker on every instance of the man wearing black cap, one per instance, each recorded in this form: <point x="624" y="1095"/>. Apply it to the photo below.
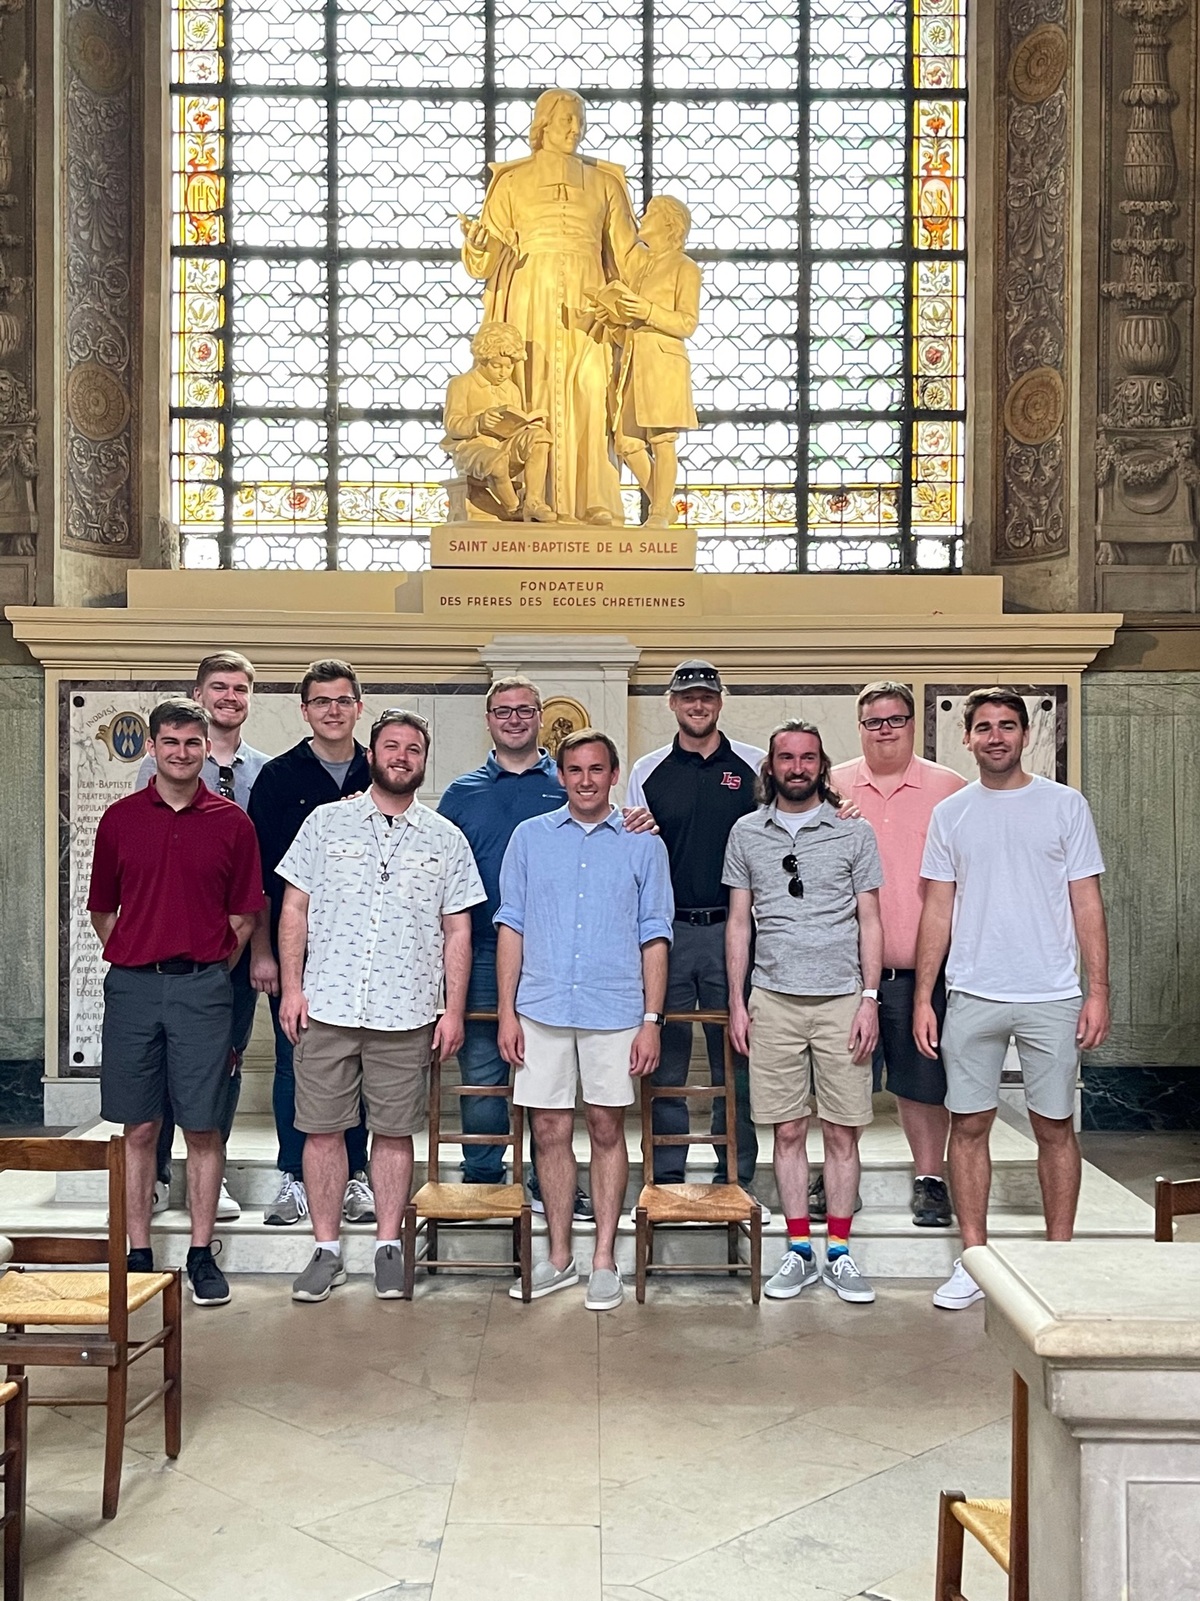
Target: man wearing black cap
<point x="696" y="788"/>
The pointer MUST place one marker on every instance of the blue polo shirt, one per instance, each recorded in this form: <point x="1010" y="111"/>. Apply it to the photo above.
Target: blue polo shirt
<point x="487" y="805"/>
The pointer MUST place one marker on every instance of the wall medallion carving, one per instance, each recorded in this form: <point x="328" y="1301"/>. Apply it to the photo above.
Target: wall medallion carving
<point x="18" y="442"/>
<point x="101" y="283"/>
<point x="1146" y="450"/>
<point x="1035" y="204"/>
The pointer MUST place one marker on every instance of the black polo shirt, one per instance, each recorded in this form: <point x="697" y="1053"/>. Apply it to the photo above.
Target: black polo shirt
<point x="696" y="800"/>
<point x="287" y="789"/>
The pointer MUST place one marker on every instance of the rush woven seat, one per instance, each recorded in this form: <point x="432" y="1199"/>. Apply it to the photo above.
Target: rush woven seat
<point x="1000" y="1526"/>
<point x="80" y="1319"/>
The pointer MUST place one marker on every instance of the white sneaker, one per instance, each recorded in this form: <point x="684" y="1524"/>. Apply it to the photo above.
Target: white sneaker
<point x="162" y="1197"/>
<point x="227" y="1207"/>
<point x="960" y="1290"/>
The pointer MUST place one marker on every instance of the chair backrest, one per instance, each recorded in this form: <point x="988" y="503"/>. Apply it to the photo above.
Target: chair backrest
<point x="1174" y="1198"/>
<point x="77" y="1156"/>
<point x="515" y="1139"/>
<point x="1018" y="1521"/>
<point x="654" y="1092"/>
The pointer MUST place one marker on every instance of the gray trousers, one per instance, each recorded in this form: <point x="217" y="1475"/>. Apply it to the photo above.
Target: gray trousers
<point x="696" y="981"/>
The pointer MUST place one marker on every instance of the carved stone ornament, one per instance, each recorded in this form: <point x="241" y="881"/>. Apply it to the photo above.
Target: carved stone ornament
<point x="1035" y="205"/>
<point x="100" y="231"/>
<point x="18" y="442"/>
<point x="1146" y="450"/>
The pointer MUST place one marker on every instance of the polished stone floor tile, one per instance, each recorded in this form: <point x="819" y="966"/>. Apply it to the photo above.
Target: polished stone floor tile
<point x="532" y="1562"/>
<point x="529" y="1462"/>
<point x="401" y="1534"/>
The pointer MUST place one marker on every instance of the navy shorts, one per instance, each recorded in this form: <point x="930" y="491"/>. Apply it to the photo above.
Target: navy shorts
<point x="166" y="1033"/>
<point x="909" y="1074"/>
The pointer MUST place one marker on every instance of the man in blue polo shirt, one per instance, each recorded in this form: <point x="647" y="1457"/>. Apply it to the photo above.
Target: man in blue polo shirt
<point x="518" y="781"/>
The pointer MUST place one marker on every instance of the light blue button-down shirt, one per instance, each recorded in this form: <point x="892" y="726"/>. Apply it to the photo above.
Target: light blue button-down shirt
<point x="585" y="903"/>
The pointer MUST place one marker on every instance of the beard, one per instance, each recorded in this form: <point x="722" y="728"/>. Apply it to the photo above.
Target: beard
<point x="797" y="789"/>
<point x="398" y="785"/>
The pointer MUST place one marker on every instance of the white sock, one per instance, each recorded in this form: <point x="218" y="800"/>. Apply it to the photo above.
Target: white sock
<point x="379" y="1244"/>
<point x="329" y="1245"/>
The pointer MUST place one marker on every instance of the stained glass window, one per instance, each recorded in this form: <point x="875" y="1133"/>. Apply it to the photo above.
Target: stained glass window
<point x="323" y="150"/>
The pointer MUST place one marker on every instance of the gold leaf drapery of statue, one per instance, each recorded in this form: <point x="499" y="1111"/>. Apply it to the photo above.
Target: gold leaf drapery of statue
<point x="555" y="228"/>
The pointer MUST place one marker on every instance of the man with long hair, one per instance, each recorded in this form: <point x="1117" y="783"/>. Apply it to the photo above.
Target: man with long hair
<point x="811" y="879"/>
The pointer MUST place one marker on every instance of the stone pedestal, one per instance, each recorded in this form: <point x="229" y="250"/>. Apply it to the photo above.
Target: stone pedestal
<point x="593" y="672"/>
<point x="1107" y="1336"/>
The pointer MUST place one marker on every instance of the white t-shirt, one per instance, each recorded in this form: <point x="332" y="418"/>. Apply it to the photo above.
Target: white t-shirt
<point x="1012" y="853"/>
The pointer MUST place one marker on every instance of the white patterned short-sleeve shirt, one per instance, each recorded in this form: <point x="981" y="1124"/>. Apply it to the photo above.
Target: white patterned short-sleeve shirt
<point x="375" y="943"/>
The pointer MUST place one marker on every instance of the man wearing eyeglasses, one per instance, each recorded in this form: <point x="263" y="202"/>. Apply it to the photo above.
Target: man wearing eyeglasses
<point x="330" y="765"/>
<point x="518" y="781"/>
<point x="811" y="880"/>
<point x="224" y="687"/>
<point x="896" y="791"/>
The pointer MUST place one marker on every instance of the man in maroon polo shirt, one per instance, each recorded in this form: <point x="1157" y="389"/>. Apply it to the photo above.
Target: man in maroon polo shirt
<point x="176" y="884"/>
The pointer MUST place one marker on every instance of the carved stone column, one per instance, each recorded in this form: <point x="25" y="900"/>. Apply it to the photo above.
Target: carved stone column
<point x="18" y="449"/>
<point x="1146" y="457"/>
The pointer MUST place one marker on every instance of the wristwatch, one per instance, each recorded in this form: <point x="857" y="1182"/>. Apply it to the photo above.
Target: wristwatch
<point x="654" y="1017"/>
<point x="871" y="995"/>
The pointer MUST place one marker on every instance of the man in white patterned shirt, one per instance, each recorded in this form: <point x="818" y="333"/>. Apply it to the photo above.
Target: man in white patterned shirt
<point x="378" y="895"/>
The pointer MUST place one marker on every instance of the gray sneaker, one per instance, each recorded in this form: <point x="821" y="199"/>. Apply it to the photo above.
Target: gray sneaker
<point x="290" y="1205"/>
<point x="605" y="1290"/>
<point x="323" y="1274"/>
<point x="794" y="1273"/>
<point x="358" y="1203"/>
<point x="389" y="1273"/>
<point x="842" y="1275"/>
<point x="546" y="1278"/>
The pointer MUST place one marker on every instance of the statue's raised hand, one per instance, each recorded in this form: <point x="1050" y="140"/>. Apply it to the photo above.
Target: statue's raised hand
<point x="474" y="233"/>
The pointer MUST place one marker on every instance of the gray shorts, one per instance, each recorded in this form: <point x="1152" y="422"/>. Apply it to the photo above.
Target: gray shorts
<point x="163" y="1034"/>
<point x="975" y="1041"/>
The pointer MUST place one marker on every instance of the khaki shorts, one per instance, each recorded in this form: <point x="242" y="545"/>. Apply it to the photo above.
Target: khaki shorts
<point x="387" y="1068"/>
<point x="558" y="1060"/>
<point x="796" y="1042"/>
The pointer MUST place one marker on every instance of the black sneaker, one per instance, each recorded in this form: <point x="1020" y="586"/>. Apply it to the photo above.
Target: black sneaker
<point x="140" y="1260"/>
<point x="817" y="1208"/>
<point x="535" y="1195"/>
<point x="583" y="1210"/>
<point x="931" y="1204"/>
<point x="209" y="1285"/>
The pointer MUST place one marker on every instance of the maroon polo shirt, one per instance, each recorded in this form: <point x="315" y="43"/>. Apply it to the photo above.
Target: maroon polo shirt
<point x="176" y="878"/>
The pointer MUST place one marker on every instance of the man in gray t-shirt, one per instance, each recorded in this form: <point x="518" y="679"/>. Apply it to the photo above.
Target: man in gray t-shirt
<point x="811" y="881"/>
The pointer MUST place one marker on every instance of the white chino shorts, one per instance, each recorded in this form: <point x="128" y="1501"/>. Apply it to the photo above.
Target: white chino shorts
<point x="559" y="1060"/>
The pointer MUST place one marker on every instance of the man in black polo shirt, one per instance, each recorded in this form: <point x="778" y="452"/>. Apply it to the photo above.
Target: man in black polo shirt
<point x="696" y="788"/>
<point x="328" y="767"/>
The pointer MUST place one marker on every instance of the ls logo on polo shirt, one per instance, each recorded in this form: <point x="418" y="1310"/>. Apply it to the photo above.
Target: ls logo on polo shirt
<point x="731" y="780"/>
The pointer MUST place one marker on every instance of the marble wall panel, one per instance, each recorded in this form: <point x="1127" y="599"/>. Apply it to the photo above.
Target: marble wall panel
<point x="101" y="746"/>
<point x="1047" y="750"/>
<point x="751" y="712"/>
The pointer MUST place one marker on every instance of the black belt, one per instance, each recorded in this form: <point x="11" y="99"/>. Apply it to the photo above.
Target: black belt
<point x="701" y="916"/>
<point x="890" y="973"/>
<point x="175" y="967"/>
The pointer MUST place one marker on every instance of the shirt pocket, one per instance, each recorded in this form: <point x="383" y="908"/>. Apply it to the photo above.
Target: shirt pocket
<point x="422" y="877"/>
<point x="348" y="864"/>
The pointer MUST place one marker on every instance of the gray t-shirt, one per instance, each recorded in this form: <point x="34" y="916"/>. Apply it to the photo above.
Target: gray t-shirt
<point x="806" y="945"/>
<point x="336" y="770"/>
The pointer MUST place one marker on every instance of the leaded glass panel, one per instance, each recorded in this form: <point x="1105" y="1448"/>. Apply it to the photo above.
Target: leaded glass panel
<point x="322" y="151"/>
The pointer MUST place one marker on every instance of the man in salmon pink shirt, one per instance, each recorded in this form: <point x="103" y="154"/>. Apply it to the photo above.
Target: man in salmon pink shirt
<point x="896" y="791"/>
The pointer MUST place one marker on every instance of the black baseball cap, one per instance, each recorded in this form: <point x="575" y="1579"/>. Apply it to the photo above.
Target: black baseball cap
<point x="696" y="675"/>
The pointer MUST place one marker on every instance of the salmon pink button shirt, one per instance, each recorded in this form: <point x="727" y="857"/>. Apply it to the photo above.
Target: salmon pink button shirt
<point x="899" y="812"/>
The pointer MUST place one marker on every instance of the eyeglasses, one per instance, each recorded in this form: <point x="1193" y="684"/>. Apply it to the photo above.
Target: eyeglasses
<point x="225" y="782"/>
<point x="792" y="866"/>
<point x="506" y="714"/>
<point x="873" y="724"/>
<point x="324" y="702"/>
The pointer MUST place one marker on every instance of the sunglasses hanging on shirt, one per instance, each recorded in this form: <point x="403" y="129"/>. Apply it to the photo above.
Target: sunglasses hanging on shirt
<point x="792" y="866"/>
<point x="225" y="782"/>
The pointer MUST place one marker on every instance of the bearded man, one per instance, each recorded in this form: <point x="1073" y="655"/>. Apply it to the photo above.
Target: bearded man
<point x="375" y="916"/>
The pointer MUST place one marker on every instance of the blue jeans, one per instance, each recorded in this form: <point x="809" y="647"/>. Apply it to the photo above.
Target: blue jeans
<point x="283" y="1104"/>
<point x="480" y="1062"/>
<point x="245" y="997"/>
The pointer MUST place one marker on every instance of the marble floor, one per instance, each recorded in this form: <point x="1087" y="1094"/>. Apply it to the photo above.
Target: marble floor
<point x="464" y="1447"/>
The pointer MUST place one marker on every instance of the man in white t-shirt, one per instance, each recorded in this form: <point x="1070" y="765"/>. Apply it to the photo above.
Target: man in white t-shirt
<point x="1011" y="875"/>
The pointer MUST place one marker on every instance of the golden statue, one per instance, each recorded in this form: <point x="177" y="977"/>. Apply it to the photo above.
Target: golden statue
<point x="555" y="228"/>
<point x="490" y="439"/>
<point x="653" y="313"/>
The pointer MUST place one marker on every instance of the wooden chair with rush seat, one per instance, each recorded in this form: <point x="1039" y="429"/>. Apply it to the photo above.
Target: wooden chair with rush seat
<point x="1174" y="1198"/>
<point x="670" y="1206"/>
<point x="1001" y="1527"/>
<point x="80" y="1319"/>
<point x="474" y="1207"/>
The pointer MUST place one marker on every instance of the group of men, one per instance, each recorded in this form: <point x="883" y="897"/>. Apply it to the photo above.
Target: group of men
<point x="878" y="921"/>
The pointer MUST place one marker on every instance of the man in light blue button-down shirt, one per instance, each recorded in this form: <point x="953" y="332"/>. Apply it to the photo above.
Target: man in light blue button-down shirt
<point x="584" y="931"/>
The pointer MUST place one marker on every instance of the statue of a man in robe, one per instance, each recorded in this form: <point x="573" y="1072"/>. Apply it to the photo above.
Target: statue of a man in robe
<point x="555" y="228"/>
